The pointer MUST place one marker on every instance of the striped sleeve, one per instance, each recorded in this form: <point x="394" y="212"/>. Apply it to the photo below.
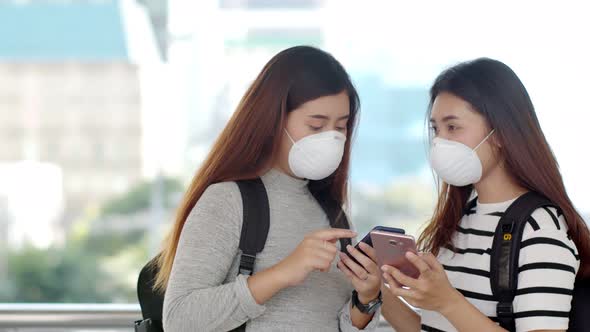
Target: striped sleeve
<point x="548" y="264"/>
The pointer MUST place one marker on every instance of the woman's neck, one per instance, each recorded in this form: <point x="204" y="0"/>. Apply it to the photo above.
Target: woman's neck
<point x="498" y="186"/>
<point x="285" y="169"/>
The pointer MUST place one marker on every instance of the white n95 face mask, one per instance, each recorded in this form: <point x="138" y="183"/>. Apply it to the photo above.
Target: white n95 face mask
<point x="456" y="163"/>
<point x="317" y="156"/>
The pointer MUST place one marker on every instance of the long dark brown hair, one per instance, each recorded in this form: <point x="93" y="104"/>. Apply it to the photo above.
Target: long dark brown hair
<point x="249" y="144"/>
<point x="494" y="91"/>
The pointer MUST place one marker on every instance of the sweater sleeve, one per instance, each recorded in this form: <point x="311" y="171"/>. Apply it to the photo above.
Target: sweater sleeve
<point x="197" y="297"/>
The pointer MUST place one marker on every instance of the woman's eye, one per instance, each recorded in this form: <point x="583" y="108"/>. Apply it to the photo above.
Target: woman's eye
<point x="434" y="129"/>
<point x="341" y="128"/>
<point x="452" y="128"/>
<point x="315" y="128"/>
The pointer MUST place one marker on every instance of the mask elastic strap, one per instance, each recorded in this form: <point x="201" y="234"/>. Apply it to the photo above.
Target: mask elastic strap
<point x="485" y="139"/>
<point x="286" y="132"/>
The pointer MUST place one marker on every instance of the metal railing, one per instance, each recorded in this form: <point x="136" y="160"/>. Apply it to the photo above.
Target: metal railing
<point x="23" y="317"/>
<point x="70" y="317"/>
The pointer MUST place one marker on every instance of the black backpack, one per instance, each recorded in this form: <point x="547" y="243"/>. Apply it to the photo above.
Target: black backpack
<point x="504" y="265"/>
<point x="253" y="236"/>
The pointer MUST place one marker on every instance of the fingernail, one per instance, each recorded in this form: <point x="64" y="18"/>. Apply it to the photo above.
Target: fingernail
<point x="349" y="247"/>
<point x="410" y="254"/>
<point x="384" y="268"/>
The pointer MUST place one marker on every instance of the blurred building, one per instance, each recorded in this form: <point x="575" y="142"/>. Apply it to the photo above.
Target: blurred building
<point x="239" y="37"/>
<point x="4" y="220"/>
<point x="242" y="35"/>
<point x="270" y="4"/>
<point x="157" y="11"/>
<point x="31" y="204"/>
<point x="70" y="96"/>
<point x="4" y="224"/>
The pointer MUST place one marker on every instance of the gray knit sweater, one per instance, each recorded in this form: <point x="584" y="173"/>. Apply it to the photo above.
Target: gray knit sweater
<point x="204" y="293"/>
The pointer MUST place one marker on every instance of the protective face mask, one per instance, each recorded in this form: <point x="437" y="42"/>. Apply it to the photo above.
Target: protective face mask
<point x="456" y="163"/>
<point x="317" y="156"/>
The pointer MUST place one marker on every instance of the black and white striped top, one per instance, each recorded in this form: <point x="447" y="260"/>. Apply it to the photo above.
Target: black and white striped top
<point x="548" y="265"/>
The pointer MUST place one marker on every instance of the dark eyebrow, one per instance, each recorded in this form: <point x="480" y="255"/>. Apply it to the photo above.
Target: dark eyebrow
<point x="323" y="117"/>
<point x="446" y="119"/>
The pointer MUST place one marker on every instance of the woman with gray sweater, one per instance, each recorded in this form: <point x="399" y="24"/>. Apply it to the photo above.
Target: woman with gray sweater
<point x="292" y="129"/>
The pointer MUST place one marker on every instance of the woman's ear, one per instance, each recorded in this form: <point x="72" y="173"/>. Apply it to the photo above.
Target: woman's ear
<point x="496" y="142"/>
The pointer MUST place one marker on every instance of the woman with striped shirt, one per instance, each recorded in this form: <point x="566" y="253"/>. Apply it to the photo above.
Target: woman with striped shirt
<point x="488" y="149"/>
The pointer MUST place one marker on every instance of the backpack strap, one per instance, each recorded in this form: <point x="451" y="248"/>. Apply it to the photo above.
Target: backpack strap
<point x="335" y="214"/>
<point x="255" y="225"/>
<point x="256" y="222"/>
<point x="579" y="318"/>
<point x="470" y="207"/>
<point x="505" y="254"/>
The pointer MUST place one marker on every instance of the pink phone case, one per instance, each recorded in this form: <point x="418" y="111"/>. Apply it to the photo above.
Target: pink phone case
<point x="391" y="250"/>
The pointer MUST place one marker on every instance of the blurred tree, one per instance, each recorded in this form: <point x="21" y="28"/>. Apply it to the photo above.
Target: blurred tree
<point x="139" y="197"/>
<point x="56" y="275"/>
<point x="96" y="265"/>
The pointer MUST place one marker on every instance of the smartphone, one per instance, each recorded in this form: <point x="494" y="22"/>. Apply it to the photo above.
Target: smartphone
<point x="391" y="250"/>
<point x="367" y="238"/>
